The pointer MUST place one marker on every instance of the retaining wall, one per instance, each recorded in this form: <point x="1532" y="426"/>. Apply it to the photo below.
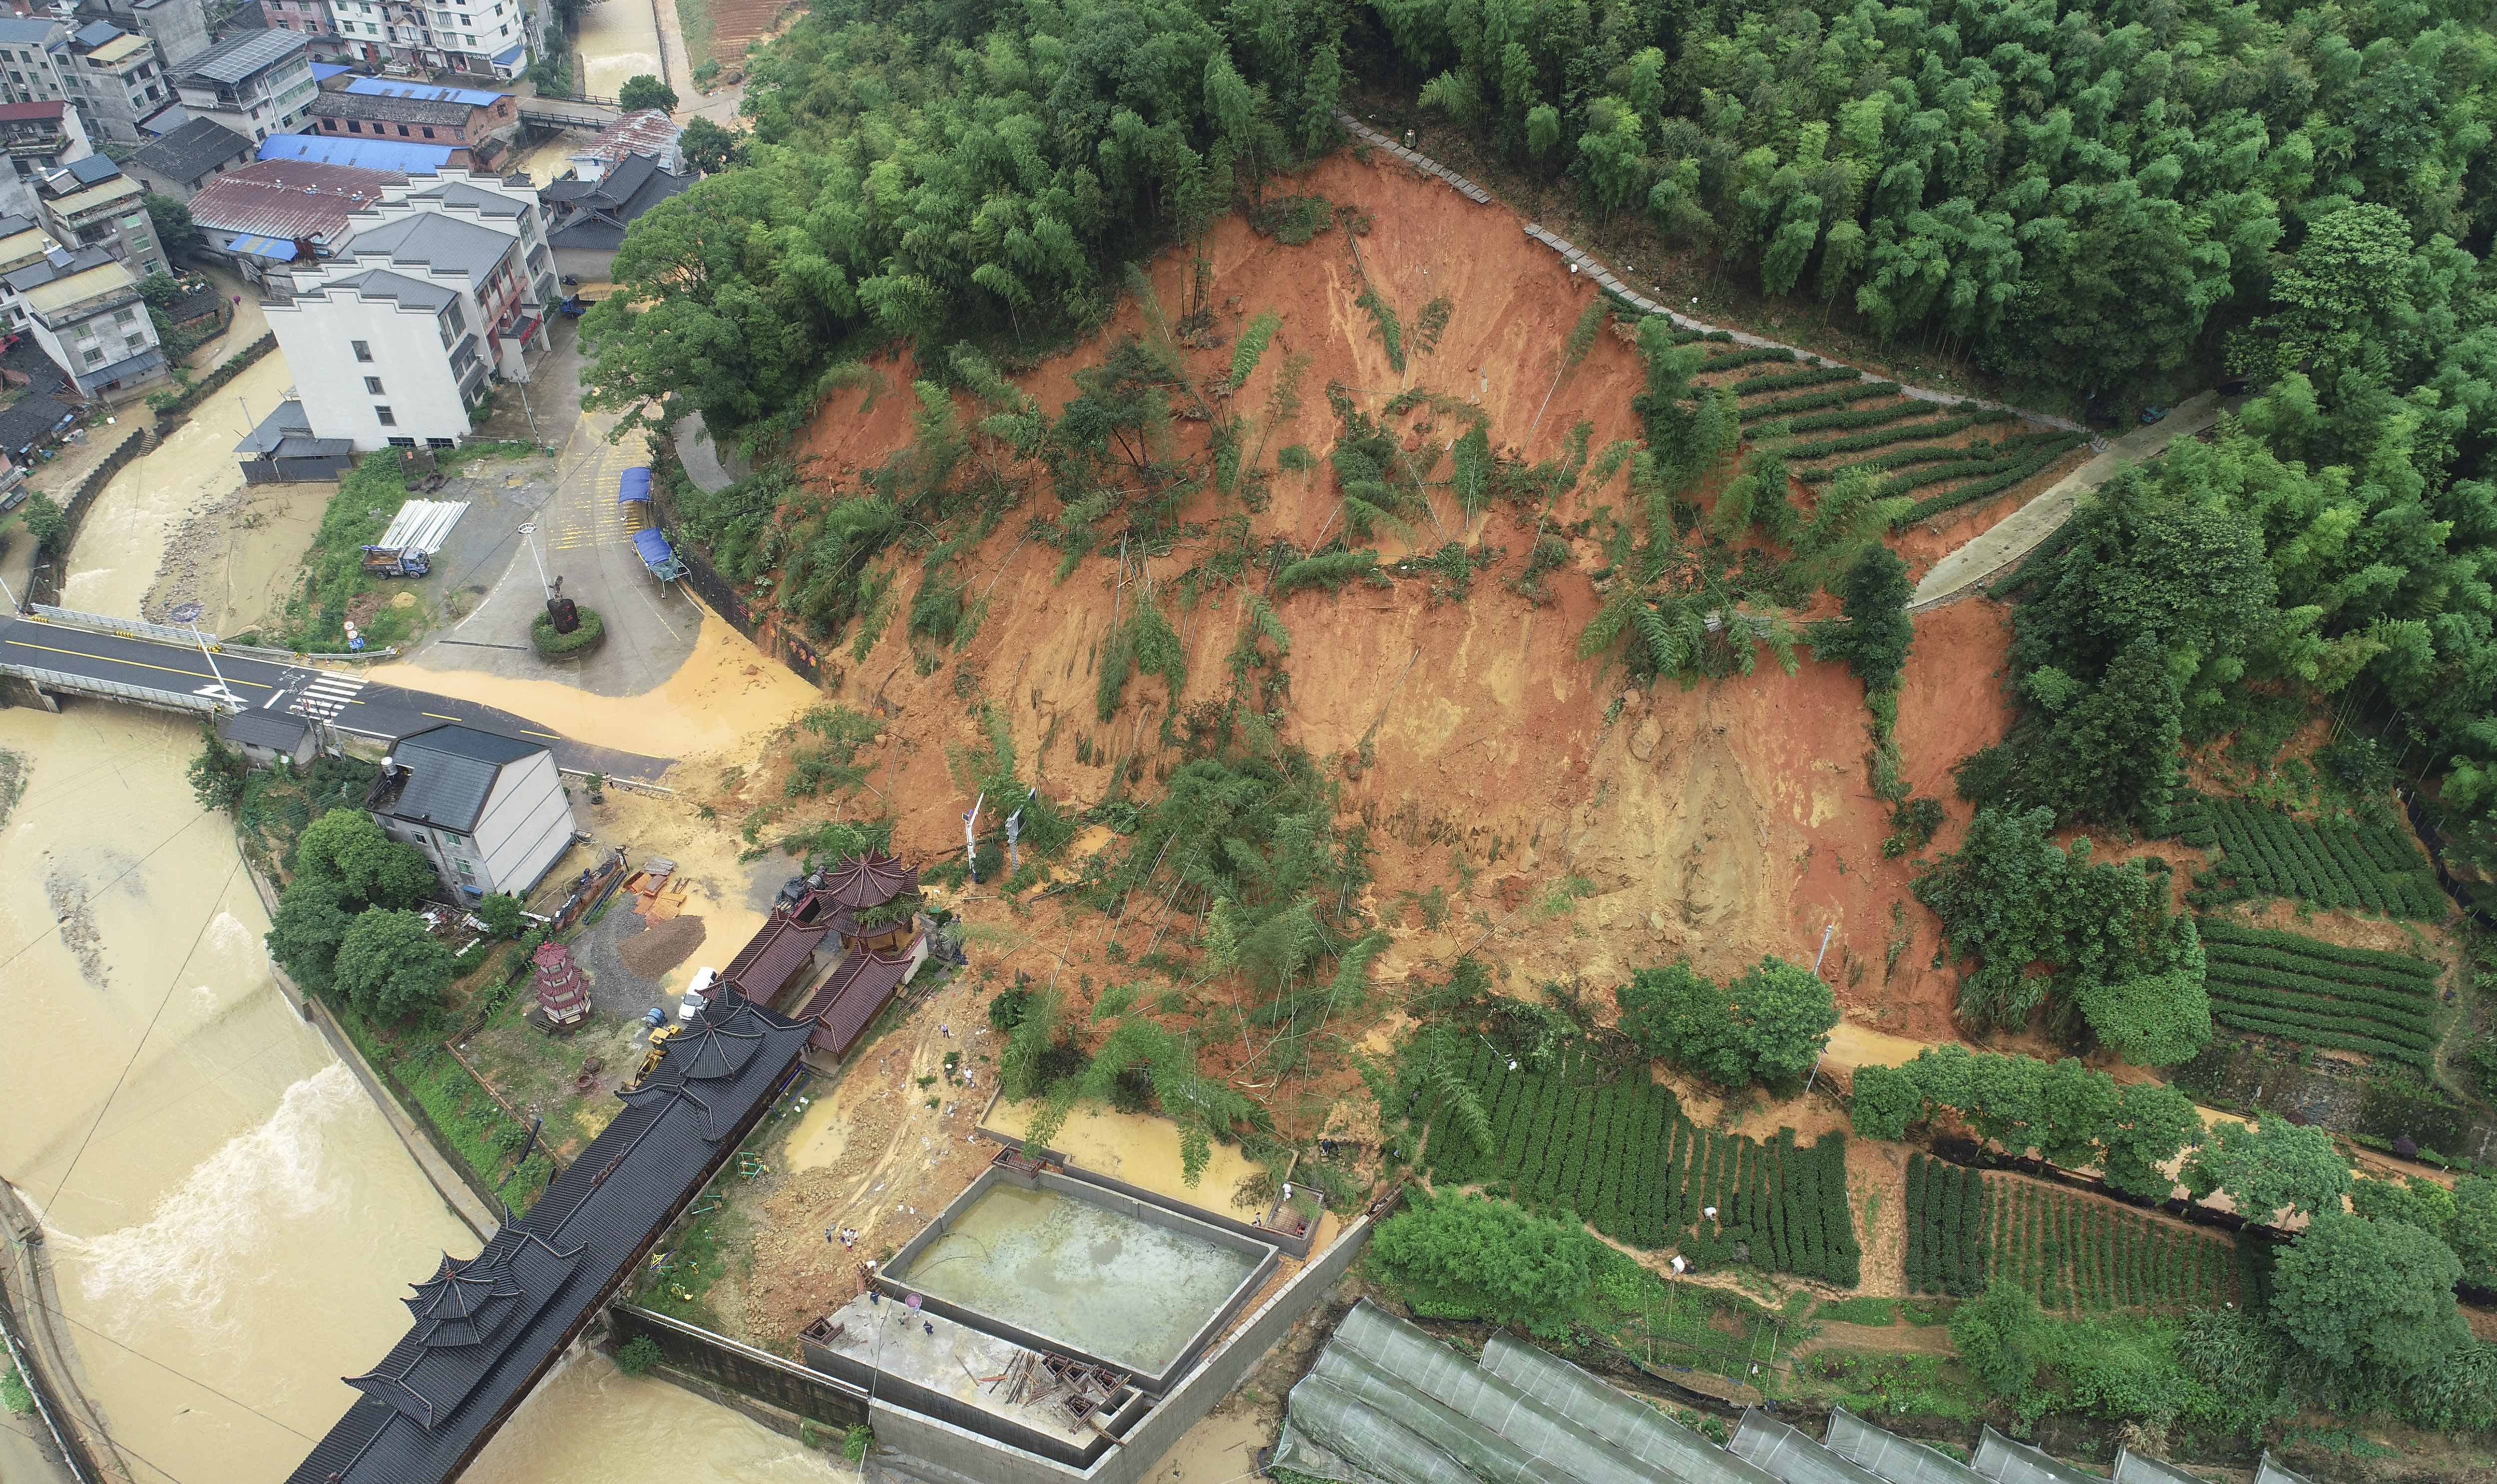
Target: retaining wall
<point x="967" y="1455"/>
<point x="741" y="1367"/>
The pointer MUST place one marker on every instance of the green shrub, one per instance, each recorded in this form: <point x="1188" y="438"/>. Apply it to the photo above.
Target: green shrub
<point x="1331" y="571"/>
<point x="591" y="632"/>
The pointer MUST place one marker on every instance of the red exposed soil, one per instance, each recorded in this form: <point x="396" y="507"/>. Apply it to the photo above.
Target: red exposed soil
<point x="1721" y="822"/>
<point x="736" y="22"/>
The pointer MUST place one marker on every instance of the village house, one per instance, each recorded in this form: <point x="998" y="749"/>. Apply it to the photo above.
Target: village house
<point x="187" y="159"/>
<point x="489" y="811"/>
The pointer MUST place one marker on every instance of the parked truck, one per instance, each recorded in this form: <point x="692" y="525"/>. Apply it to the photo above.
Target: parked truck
<point x="396" y="561"/>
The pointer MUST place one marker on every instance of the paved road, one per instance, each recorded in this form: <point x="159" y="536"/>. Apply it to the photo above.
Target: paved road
<point x="2004" y="543"/>
<point x="343" y="699"/>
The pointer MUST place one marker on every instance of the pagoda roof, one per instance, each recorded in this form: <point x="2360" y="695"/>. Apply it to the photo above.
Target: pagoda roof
<point x="870" y="881"/>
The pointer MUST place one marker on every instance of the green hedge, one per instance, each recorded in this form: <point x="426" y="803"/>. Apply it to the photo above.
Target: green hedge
<point x="1815" y="421"/>
<point x="1983" y="489"/>
<point x="2075" y="1252"/>
<point x="589" y="635"/>
<point x="1620" y="1156"/>
<point x="2331" y="866"/>
<point x="1880" y="437"/>
<point x="2353" y="1016"/>
<point x="1788" y="381"/>
<point x="1744" y="354"/>
<point x="2220" y="930"/>
<point x="2249" y="1019"/>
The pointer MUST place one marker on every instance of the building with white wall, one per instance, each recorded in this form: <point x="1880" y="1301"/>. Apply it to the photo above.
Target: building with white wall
<point x="179" y="28"/>
<point x="480" y="38"/>
<point x="115" y="79"/>
<point x="443" y="287"/>
<point x="489" y="811"/>
<point x="255" y="82"/>
<point x="89" y="203"/>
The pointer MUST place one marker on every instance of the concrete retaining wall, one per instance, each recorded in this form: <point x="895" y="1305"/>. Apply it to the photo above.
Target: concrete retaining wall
<point x="958" y="1452"/>
<point x="741" y="1367"/>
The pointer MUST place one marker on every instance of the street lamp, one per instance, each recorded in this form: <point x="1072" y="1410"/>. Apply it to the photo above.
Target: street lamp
<point x="188" y="616"/>
<point x="529" y="528"/>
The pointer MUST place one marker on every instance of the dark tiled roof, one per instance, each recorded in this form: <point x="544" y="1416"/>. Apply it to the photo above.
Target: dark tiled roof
<point x="400" y="111"/>
<point x="193" y="150"/>
<point x="281" y="730"/>
<point x="487" y="1329"/>
<point x="445" y="773"/>
<point x="31" y="417"/>
<point x="769" y="958"/>
<point x="870" y="881"/>
<point x="849" y="998"/>
<point x="597" y="212"/>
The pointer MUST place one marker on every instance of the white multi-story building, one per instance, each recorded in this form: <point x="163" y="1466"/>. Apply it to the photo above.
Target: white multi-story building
<point x="443" y="287"/>
<point x="89" y="203"/>
<point x="481" y="38"/>
<point x="255" y="82"/>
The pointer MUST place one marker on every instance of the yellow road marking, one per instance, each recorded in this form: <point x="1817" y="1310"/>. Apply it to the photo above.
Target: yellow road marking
<point x="525" y="732"/>
<point x="437" y="715"/>
<point x="137" y="664"/>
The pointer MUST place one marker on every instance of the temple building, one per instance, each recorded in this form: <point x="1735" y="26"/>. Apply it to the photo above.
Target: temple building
<point x="488" y="1330"/>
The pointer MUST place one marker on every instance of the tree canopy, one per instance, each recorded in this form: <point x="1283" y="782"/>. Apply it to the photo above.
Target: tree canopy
<point x="1462" y="1256"/>
<point x="1766" y="1025"/>
<point x="2070" y="1114"/>
<point x="2268" y="1167"/>
<point x="376" y="870"/>
<point x="2371" y="1300"/>
<point x="2028" y="919"/>
<point x="389" y="966"/>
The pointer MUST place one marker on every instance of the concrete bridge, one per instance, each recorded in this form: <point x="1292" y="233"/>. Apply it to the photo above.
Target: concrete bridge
<point x="568" y="113"/>
<point x="61" y="651"/>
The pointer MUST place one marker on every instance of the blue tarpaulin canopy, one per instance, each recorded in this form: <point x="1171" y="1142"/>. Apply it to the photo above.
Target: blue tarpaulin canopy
<point x="659" y="556"/>
<point x="635" y="486"/>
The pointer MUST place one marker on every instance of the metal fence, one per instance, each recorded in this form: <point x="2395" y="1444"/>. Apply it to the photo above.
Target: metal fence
<point x="126" y="628"/>
<point x="84" y="685"/>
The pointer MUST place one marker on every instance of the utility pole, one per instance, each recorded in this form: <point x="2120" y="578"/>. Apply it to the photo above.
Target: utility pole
<point x="188" y="614"/>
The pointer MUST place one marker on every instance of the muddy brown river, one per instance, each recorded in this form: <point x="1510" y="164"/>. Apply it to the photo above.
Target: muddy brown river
<point x="231" y="1220"/>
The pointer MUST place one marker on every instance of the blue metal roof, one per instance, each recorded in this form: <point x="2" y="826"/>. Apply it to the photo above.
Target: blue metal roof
<point x="507" y="59"/>
<point x="635" y="484"/>
<point x="244" y="243"/>
<point x="393" y="87"/>
<point x="322" y="72"/>
<point x="408" y="159"/>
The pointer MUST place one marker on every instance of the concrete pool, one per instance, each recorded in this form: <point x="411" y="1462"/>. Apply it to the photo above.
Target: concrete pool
<point x="1082" y="1271"/>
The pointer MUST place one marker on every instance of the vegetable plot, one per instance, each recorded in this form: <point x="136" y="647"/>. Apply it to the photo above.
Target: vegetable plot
<point x="2076" y="1253"/>
<point x="1620" y="1156"/>
<point x="2287" y="985"/>
<point x="2368" y="869"/>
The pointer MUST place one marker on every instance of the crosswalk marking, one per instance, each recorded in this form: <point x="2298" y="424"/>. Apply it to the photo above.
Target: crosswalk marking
<point x="326" y="696"/>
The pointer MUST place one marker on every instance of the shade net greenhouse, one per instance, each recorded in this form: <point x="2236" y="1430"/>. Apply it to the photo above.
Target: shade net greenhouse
<point x="1893" y="1458"/>
<point x="1387" y="1403"/>
<point x="1793" y="1456"/>
<point x="2006" y="1462"/>
<point x="2133" y="1468"/>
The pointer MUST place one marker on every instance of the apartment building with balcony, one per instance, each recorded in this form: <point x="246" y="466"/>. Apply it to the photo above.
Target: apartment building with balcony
<point x="91" y="203"/>
<point x="179" y="28"/>
<point x="115" y="79"/>
<point x="480" y="38"/>
<point x="398" y="336"/>
<point x="255" y="82"/>
<point x="84" y="310"/>
<point x="43" y="136"/>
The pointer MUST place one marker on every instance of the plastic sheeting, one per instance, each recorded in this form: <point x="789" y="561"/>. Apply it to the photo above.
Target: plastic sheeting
<point x="2006" y="1462"/>
<point x="654" y="548"/>
<point x="1387" y="1403"/>
<point x="634" y="485"/>
<point x="2133" y="1468"/>
<point x="1668" y="1449"/>
<point x="423" y="525"/>
<point x="2269" y="1472"/>
<point x="1793" y="1456"/>
<point x="1894" y="1459"/>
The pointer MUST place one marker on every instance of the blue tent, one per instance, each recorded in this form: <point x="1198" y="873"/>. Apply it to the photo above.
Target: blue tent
<point x="659" y="556"/>
<point x="635" y="486"/>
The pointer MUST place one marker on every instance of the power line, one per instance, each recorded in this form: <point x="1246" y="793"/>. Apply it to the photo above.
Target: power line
<point x="23" y="948"/>
<point x="170" y="985"/>
<point x="169" y="1369"/>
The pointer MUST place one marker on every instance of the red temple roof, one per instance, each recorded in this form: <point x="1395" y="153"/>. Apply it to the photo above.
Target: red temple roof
<point x="769" y="958"/>
<point x="849" y="998"/>
<point x="869" y="880"/>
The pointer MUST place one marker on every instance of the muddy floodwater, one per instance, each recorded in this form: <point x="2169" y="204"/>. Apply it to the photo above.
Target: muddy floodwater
<point x="620" y="39"/>
<point x="1125" y="1291"/>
